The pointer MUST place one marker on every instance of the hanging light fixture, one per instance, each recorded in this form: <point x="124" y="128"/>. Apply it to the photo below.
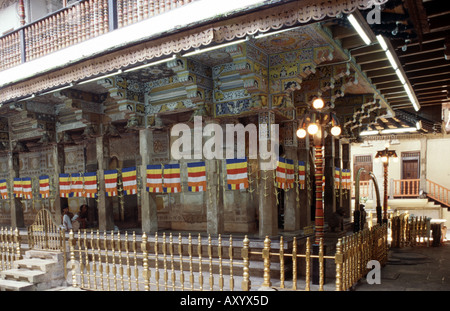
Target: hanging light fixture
<point x="336" y="129"/>
<point x="318" y="119"/>
<point x="318" y="103"/>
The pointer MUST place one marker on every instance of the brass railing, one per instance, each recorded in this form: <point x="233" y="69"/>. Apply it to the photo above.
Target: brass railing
<point x="10" y="247"/>
<point x="410" y="231"/>
<point x="74" y="24"/>
<point x="45" y="234"/>
<point x="114" y="261"/>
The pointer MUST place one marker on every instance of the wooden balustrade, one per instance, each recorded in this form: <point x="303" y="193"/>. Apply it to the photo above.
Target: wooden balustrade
<point x="74" y="24"/>
<point x="438" y="192"/>
<point x="406" y="188"/>
<point x="364" y="189"/>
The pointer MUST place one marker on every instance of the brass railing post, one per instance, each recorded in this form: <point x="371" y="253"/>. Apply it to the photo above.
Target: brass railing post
<point x="321" y="265"/>
<point x="72" y="258"/>
<point x="145" y="273"/>
<point x="308" y="264"/>
<point x="266" y="257"/>
<point x="17" y="242"/>
<point x="245" y="253"/>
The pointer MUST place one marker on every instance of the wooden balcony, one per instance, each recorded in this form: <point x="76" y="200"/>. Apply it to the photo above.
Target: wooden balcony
<point x="74" y="24"/>
<point x="407" y="188"/>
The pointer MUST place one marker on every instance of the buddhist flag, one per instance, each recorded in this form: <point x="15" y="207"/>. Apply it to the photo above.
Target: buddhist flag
<point x="237" y="177"/>
<point x="90" y="185"/>
<point x="3" y="189"/>
<point x="27" y="190"/>
<point x="337" y="177"/>
<point x="76" y="185"/>
<point x="64" y="186"/>
<point x="44" y="187"/>
<point x="346" y="179"/>
<point x="154" y="178"/>
<point x="196" y="176"/>
<point x="301" y="174"/>
<point x="129" y="180"/>
<point x="284" y="173"/>
<point x="17" y="188"/>
<point x="172" y="180"/>
<point x="111" y="183"/>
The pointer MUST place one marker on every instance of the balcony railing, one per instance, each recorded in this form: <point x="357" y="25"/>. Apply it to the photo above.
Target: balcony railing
<point x="407" y="188"/>
<point x="74" y="24"/>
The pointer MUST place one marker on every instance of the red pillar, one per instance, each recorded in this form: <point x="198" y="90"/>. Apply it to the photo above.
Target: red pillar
<point x="319" y="218"/>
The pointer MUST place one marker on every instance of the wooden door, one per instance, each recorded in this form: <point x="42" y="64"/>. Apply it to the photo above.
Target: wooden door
<point x="410" y="169"/>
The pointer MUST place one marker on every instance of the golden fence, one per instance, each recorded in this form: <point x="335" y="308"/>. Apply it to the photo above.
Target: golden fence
<point x="45" y="234"/>
<point x="115" y="261"/>
<point x="410" y="230"/>
<point x="10" y="247"/>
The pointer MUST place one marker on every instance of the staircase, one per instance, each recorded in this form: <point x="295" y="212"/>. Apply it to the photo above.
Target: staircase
<point x="37" y="271"/>
<point x="438" y="194"/>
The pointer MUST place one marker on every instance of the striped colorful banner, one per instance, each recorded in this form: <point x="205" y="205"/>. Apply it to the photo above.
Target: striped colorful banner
<point x="64" y="186"/>
<point x="237" y="176"/>
<point x="337" y="177"/>
<point x="301" y="174"/>
<point x="346" y="179"/>
<point x="17" y="188"/>
<point x="3" y="189"/>
<point x="27" y="191"/>
<point x="154" y="178"/>
<point x="196" y="176"/>
<point x="172" y="180"/>
<point x="76" y="185"/>
<point x="90" y="185"/>
<point x="129" y="180"/>
<point x="110" y="183"/>
<point x="44" y="187"/>
<point x="284" y="177"/>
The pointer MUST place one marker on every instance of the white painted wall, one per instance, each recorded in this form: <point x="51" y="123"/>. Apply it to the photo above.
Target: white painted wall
<point x="9" y="19"/>
<point x="438" y="161"/>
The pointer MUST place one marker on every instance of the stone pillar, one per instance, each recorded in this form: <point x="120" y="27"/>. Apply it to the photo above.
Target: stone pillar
<point x="291" y="205"/>
<point x="149" y="217"/>
<point x="338" y="164"/>
<point x="104" y="206"/>
<point x="214" y="197"/>
<point x="303" y="154"/>
<point x="268" y="216"/>
<point x="423" y="164"/>
<point x="346" y="195"/>
<point x="17" y="219"/>
<point x="58" y="160"/>
<point x="329" y="193"/>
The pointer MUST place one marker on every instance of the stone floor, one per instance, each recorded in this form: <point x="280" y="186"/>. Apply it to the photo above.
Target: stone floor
<point x="417" y="268"/>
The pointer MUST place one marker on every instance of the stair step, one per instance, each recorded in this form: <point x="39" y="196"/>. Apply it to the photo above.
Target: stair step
<point x="32" y="276"/>
<point x="11" y="285"/>
<point x="44" y="265"/>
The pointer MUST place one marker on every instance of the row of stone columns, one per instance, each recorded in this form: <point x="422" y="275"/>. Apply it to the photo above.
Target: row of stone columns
<point x="297" y="212"/>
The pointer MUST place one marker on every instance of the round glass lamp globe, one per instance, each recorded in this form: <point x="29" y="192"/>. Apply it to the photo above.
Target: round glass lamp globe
<point x="318" y="103"/>
<point x="301" y="133"/>
<point x="335" y="131"/>
<point x="313" y="128"/>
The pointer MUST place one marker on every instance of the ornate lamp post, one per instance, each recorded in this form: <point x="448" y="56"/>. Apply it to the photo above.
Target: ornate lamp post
<point x="317" y="122"/>
<point x="385" y="155"/>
